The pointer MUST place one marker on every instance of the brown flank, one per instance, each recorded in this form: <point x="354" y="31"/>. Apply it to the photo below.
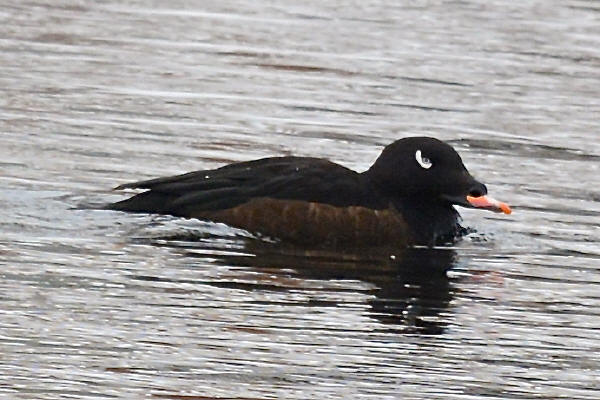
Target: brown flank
<point x="314" y="223"/>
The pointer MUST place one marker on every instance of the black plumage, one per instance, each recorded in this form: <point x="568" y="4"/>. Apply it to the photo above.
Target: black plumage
<point x="406" y="197"/>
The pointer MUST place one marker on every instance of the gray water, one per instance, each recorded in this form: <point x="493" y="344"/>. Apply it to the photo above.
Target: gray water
<point x="100" y="304"/>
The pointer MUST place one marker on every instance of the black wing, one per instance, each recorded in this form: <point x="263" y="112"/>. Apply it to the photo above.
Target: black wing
<point x="293" y="178"/>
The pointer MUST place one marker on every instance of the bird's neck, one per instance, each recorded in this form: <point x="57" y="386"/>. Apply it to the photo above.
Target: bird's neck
<point x="432" y="223"/>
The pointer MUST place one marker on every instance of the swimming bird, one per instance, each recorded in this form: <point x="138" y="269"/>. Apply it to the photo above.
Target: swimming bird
<point x="406" y="197"/>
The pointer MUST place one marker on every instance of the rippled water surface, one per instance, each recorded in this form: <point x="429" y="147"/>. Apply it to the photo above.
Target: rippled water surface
<point x="100" y="304"/>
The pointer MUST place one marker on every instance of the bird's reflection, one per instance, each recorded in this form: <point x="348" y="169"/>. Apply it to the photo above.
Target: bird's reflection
<point x="413" y="297"/>
<point x="410" y="289"/>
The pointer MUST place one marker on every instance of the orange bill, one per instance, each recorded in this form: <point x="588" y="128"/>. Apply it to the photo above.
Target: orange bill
<point x="489" y="204"/>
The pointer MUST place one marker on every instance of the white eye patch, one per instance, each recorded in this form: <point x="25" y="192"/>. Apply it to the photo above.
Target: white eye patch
<point x="423" y="161"/>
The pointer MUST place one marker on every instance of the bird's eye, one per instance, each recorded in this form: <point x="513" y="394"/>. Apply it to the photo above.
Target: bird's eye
<point x="422" y="160"/>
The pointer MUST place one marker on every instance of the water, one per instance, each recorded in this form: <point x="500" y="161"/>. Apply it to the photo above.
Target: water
<point x="100" y="304"/>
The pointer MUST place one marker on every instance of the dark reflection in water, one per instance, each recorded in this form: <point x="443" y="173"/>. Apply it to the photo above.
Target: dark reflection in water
<point x="410" y="287"/>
